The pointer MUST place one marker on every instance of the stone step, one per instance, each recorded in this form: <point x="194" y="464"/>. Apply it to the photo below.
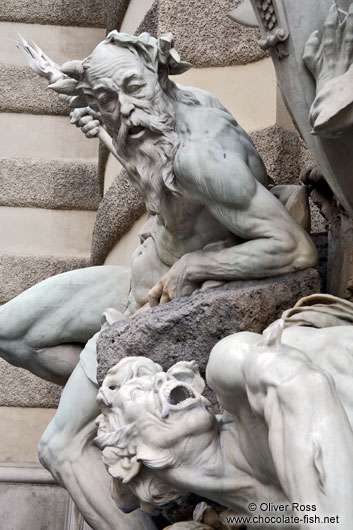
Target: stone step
<point x="18" y="273"/>
<point x="79" y="13"/>
<point x="45" y="137"/>
<point x="53" y="184"/>
<point x="29" y="496"/>
<point x="21" y="90"/>
<point x="43" y="232"/>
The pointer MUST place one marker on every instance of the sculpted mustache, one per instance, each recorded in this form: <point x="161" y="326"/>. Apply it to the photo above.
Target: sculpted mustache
<point x="156" y="124"/>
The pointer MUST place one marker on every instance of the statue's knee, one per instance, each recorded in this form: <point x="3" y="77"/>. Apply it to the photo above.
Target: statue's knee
<point x="51" y="448"/>
<point x="44" y="451"/>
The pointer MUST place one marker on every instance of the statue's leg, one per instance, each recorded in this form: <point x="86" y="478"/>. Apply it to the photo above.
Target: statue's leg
<point x="45" y="328"/>
<point x="67" y="450"/>
<point x="310" y="436"/>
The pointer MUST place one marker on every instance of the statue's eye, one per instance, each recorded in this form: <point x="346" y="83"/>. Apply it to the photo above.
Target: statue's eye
<point x="107" y="100"/>
<point x="131" y="89"/>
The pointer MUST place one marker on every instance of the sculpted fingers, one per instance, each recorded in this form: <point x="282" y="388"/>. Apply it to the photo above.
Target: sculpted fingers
<point x="87" y="120"/>
<point x="80" y="112"/>
<point x="330" y="28"/>
<point x="312" y="54"/>
<point x="348" y="39"/>
<point x="77" y="114"/>
<point x="155" y="294"/>
<point x="164" y="298"/>
<point x="91" y="129"/>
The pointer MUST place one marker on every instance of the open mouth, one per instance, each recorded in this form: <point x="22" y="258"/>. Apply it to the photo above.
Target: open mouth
<point x="136" y="131"/>
<point x="179" y="394"/>
<point x="176" y="396"/>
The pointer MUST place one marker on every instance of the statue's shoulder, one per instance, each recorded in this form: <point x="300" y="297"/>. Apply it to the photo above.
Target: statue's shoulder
<point x="200" y="125"/>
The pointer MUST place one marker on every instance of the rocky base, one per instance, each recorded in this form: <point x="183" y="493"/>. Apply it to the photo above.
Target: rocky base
<point x="188" y="328"/>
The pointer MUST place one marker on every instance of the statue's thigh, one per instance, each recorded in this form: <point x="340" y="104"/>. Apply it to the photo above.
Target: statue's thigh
<point x="65" y="308"/>
<point x="147" y="269"/>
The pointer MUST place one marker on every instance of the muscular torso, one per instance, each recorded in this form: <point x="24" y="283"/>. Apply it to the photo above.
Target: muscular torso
<point x="184" y="226"/>
<point x="184" y="223"/>
<point x="329" y="349"/>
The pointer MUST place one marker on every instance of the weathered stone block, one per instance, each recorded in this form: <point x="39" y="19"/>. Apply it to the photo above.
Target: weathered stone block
<point x="18" y="273"/>
<point x="204" y="34"/>
<point x="20" y="388"/>
<point x="53" y="184"/>
<point x="22" y="90"/>
<point x="61" y="12"/>
<point x="188" y="328"/>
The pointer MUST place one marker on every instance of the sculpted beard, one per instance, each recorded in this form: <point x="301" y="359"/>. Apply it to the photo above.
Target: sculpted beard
<point x="149" y="160"/>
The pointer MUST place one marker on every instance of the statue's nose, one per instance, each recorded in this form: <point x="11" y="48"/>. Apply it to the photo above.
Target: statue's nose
<point x="126" y="107"/>
<point x="104" y="396"/>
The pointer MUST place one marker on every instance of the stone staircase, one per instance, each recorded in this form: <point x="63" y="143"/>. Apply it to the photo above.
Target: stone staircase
<point x="49" y="184"/>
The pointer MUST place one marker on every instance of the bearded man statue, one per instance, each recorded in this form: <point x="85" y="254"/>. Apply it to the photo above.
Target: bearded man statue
<point x="211" y="218"/>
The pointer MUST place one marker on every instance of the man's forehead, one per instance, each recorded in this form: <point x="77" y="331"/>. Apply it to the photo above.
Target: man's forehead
<point x="111" y="61"/>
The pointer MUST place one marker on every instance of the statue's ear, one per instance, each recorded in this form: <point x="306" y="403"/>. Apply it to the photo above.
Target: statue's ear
<point x="155" y="458"/>
<point x="169" y="56"/>
<point x="188" y="372"/>
<point x="273" y="334"/>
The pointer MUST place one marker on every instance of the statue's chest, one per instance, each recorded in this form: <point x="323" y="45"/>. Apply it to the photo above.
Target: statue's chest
<point x="178" y="214"/>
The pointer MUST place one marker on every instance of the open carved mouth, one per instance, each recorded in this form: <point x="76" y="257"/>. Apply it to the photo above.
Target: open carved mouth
<point x="176" y="396"/>
<point x="179" y="394"/>
<point x="136" y="131"/>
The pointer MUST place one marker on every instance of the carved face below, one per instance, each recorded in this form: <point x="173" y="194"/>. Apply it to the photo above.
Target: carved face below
<point x="159" y="419"/>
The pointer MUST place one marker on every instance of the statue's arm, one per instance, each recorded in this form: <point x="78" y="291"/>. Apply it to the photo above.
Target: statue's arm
<point x="273" y="242"/>
<point x="310" y="436"/>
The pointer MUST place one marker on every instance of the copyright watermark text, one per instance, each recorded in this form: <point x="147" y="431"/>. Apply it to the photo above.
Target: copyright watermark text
<point x="282" y="514"/>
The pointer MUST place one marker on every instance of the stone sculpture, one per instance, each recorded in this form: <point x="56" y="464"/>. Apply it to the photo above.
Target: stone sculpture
<point x="329" y="59"/>
<point x="212" y="218"/>
<point x="285" y="438"/>
<point x="310" y="44"/>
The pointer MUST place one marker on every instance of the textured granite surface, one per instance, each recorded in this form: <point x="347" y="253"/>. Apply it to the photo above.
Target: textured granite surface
<point x="20" y="388"/>
<point x="22" y="90"/>
<point x="284" y="153"/>
<point x="151" y="21"/>
<point x="116" y="10"/>
<point x="18" y="273"/>
<point x="204" y="34"/>
<point x="90" y="13"/>
<point x="120" y="208"/>
<point x="55" y="184"/>
<point x="286" y="156"/>
<point x="187" y="328"/>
